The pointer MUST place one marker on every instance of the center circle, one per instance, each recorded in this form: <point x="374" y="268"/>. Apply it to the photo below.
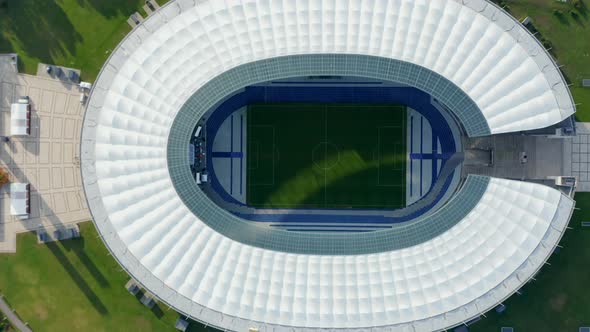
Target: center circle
<point x="325" y="155"/>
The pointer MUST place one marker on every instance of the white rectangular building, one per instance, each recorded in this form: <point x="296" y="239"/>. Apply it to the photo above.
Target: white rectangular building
<point x="20" y="203"/>
<point x="20" y="121"/>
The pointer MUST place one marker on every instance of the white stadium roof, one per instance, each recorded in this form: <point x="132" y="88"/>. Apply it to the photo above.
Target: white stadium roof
<point x="485" y="255"/>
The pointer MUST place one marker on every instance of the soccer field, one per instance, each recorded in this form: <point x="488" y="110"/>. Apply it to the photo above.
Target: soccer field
<point x="326" y="156"/>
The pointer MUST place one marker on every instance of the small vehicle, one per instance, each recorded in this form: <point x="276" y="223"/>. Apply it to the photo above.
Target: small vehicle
<point x="85" y="85"/>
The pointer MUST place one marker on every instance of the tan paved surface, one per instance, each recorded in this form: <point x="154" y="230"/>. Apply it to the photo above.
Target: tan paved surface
<point x="48" y="159"/>
<point x="579" y="164"/>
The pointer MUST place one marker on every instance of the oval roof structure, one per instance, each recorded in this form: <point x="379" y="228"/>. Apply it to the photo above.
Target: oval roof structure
<point x="471" y="55"/>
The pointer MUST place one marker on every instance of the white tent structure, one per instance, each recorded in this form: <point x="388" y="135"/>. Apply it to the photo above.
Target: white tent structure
<point x="497" y="245"/>
<point x="20" y="203"/>
<point x="20" y="118"/>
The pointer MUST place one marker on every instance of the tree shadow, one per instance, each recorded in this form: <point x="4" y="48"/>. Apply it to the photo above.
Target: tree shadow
<point x="578" y="18"/>
<point x="5" y="45"/>
<point x="77" y="278"/>
<point x="40" y="27"/>
<point x="112" y="8"/>
<point x="582" y="9"/>
<point x="74" y="245"/>
<point x="562" y="18"/>
<point x="77" y="246"/>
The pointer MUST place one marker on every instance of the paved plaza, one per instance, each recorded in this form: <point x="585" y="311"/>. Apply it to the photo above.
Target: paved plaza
<point x="580" y="157"/>
<point x="48" y="159"/>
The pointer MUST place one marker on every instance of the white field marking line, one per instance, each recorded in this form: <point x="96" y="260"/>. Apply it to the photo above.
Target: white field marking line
<point x="267" y="108"/>
<point x="274" y="147"/>
<point x="325" y="155"/>
<point x="379" y="157"/>
<point x="404" y="127"/>
<point x="255" y="144"/>
<point x="273" y="161"/>
<point x="395" y="168"/>
<point x="402" y="180"/>
<point x="378" y="138"/>
<point x="314" y="161"/>
<point x="408" y="134"/>
<point x="315" y="206"/>
<point x="338" y="206"/>
<point x="372" y="106"/>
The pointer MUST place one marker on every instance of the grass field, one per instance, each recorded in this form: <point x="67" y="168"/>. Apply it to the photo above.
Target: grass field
<point x="569" y="37"/>
<point x="326" y="156"/>
<point x="559" y="299"/>
<point x="46" y="283"/>
<point x="75" y="285"/>
<point x="73" y="33"/>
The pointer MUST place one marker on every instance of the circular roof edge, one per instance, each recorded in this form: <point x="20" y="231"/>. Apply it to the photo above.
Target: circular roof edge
<point x="140" y="78"/>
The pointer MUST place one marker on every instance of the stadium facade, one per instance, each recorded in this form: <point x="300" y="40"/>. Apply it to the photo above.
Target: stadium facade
<point x="433" y="272"/>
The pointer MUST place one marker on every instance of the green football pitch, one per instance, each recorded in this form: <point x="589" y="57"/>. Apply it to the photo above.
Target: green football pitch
<point x="326" y="156"/>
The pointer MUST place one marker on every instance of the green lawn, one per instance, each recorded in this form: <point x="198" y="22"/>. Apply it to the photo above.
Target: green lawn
<point x="326" y="156"/>
<point x="73" y="33"/>
<point x="75" y="285"/>
<point x="570" y="37"/>
<point x="559" y="299"/>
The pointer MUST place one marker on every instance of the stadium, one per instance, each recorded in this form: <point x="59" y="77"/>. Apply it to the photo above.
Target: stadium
<point x="303" y="165"/>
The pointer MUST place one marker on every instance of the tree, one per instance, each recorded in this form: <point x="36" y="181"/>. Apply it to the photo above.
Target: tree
<point x="4" y="177"/>
<point x="4" y="324"/>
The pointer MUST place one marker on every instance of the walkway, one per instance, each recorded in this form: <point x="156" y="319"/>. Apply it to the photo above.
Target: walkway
<point x="12" y="317"/>
<point x="577" y="156"/>
<point x="544" y="156"/>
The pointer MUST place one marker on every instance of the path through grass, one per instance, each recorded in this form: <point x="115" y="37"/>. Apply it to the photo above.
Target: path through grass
<point x="75" y="285"/>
